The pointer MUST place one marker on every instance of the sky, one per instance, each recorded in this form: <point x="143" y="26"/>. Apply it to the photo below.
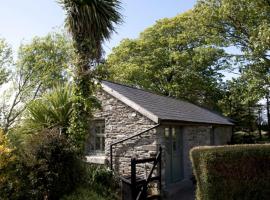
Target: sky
<point x="22" y="20"/>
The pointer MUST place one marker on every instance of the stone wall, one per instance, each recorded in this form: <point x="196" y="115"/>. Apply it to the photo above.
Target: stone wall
<point x="222" y="135"/>
<point x="121" y="122"/>
<point x="201" y="136"/>
<point x="193" y="136"/>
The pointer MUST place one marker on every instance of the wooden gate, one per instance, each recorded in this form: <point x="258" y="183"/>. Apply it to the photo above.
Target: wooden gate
<point x="135" y="188"/>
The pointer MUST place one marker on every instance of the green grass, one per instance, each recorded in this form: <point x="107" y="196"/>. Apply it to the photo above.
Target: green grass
<point x="82" y="193"/>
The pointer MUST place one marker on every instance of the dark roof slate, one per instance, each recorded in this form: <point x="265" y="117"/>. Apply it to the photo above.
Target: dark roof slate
<point x="167" y="108"/>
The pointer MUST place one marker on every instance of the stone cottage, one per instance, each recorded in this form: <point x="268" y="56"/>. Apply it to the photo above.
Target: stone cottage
<point x="174" y="125"/>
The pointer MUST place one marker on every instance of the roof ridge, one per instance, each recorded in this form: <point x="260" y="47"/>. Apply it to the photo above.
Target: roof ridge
<point x="149" y="91"/>
<point x="133" y="87"/>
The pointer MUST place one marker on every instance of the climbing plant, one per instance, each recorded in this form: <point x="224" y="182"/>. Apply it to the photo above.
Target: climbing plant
<point x="89" y="22"/>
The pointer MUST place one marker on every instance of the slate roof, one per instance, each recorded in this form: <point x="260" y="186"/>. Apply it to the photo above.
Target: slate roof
<point x="161" y="107"/>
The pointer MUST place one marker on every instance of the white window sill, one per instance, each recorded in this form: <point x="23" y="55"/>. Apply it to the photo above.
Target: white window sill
<point x="97" y="159"/>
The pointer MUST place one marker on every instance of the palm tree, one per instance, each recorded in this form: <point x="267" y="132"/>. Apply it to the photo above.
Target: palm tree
<point x="52" y="110"/>
<point x="90" y="23"/>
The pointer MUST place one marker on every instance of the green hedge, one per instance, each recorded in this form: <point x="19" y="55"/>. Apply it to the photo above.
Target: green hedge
<point x="238" y="172"/>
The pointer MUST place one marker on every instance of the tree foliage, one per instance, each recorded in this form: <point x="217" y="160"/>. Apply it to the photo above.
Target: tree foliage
<point x="242" y="24"/>
<point x="237" y="104"/>
<point x="5" y="60"/>
<point x="170" y="59"/>
<point x="46" y="60"/>
<point x="42" y="63"/>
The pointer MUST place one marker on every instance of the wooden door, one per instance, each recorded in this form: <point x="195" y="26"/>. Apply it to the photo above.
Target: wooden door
<point x="174" y="154"/>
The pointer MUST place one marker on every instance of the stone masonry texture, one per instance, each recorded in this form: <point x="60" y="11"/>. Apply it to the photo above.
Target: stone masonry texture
<point x="121" y="122"/>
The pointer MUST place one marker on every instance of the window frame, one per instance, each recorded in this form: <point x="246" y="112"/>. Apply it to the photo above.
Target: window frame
<point x="94" y="136"/>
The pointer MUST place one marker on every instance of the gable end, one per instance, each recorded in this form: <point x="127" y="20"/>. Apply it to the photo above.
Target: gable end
<point x="130" y="103"/>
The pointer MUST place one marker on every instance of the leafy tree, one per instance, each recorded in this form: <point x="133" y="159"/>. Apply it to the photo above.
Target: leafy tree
<point x="41" y="64"/>
<point x="243" y="24"/>
<point x="90" y="22"/>
<point x="49" y="59"/>
<point x="240" y="23"/>
<point x="170" y="59"/>
<point x="257" y="77"/>
<point x="238" y="106"/>
<point x="5" y="60"/>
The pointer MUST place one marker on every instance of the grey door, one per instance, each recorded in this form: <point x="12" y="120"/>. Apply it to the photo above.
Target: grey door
<point x="174" y="154"/>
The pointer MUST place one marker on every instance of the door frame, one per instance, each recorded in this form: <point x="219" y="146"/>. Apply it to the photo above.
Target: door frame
<point x="169" y="161"/>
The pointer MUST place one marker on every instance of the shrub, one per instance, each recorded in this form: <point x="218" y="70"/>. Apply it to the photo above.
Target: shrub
<point x="102" y="180"/>
<point x="10" y="182"/>
<point x="6" y="161"/>
<point x="99" y="183"/>
<point x="50" y="165"/>
<point x="6" y="155"/>
<point x="83" y="193"/>
<point x="243" y="138"/>
<point x="240" y="172"/>
<point x="46" y="166"/>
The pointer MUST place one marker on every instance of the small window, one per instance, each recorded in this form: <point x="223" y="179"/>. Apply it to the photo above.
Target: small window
<point x="96" y="140"/>
<point x="99" y="135"/>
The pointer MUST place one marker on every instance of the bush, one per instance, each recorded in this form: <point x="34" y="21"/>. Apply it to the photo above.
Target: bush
<point x="12" y="183"/>
<point x="9" y="182"/>
<point x="243" y="138"/>
<point x="102" y="181"/>
<point x="50" y="165"/>
<point x="83" y="193"/>
<point x="99" y="183"/>
<point x="240" y="172"/>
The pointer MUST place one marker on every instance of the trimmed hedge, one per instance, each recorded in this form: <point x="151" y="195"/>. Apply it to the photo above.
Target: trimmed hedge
<point x="238" y="172"/>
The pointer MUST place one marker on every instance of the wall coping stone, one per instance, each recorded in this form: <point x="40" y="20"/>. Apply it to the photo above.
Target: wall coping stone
<point x="96" y="159"/>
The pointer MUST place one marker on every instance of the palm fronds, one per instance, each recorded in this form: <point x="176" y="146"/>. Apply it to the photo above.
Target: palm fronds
<point x="52" y="110"/>
<point x="90" y="22"/>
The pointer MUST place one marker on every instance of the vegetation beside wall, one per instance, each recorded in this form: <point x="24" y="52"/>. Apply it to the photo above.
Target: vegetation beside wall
<point x="39" y="161"/>
<point x="46" y="166"/>
<point x="83" y="193"/>
<point x="99" y="184"/>
<point x="232" y="172"/>
<point x="8" y="180"/>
